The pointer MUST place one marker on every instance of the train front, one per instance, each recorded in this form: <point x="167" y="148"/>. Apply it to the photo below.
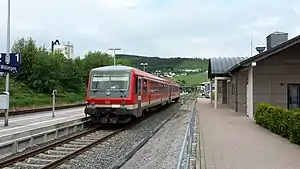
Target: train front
<point x="108" y="96"/>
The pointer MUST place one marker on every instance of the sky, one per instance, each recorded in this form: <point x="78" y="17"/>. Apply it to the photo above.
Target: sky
<point x="163" y="28"/>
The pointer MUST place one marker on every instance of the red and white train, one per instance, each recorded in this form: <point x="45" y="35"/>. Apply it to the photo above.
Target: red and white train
<point x="118" y="94"/>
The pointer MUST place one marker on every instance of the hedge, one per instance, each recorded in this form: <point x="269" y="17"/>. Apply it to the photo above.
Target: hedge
<point x="280" y="121"/>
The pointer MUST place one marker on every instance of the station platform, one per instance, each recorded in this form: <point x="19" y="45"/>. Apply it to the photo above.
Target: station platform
<point x="37" y="127"/>
<point x="231" y="140"/>
<point x="17" y="122"/>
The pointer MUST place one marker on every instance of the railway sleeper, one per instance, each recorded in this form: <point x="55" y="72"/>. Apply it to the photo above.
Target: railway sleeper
<point x="27" y="165"/>
<point x="47" y="156"/>
<point x="78" y="142"/>
<point x="94" y="138"/>
<point x="34" y="160"/>
<point x="97" y="135"/>
<point x="86" y="140"/>
<point x="57" y="152"/>
<point x="66" y="148"/>
<point x="74" y="145"/>
<point x="103" y="132"/>
<point x="64" y="166"/>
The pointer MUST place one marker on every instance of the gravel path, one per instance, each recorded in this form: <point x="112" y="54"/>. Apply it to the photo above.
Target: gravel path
<point x="106" y="154"/>
<point x="163" y="149"/>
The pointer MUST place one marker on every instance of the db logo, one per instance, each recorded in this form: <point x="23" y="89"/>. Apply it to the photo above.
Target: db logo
<point x="107" y="101"/>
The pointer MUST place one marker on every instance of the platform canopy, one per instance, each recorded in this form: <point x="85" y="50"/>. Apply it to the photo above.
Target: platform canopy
<point x="219" y="66"/>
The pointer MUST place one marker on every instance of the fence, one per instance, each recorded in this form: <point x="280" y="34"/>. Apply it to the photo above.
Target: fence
<point x="187" y="157"/>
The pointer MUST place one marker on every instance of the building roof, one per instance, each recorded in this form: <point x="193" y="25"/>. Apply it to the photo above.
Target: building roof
<point x="221" y="65"/>
<point x="266" y="54"/>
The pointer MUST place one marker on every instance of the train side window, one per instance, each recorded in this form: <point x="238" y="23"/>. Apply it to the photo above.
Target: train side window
<point x="144" y="86"/>
<point x="151" y="87"/>
<point x="160" y="87"/>
<point x="136" y="84"/>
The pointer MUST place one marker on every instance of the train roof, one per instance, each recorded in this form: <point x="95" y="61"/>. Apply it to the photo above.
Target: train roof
<point x="117" y="68"/>
<point x="128" y="68"/>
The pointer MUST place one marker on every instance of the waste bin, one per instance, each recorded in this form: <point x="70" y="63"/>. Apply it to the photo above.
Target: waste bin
<point x="4" y="100"/>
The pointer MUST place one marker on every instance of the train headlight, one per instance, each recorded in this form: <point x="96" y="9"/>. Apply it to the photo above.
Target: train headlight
<point x="115" y="106"/>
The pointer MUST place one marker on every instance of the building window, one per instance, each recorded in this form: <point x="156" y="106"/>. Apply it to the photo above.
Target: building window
<point x="293" y="96"/>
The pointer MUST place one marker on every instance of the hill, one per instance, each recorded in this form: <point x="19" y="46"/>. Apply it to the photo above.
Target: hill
<point x="190" y="71"/>
<point x="166" y="64"/>
<point x="191" y="79"/>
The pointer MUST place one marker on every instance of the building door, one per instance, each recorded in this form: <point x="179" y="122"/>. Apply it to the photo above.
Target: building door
<point x="293" y="96"/>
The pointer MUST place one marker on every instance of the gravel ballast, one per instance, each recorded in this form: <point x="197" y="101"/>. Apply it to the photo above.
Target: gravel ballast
<point x="163" y="149"/>
<point x="106" y="154"/>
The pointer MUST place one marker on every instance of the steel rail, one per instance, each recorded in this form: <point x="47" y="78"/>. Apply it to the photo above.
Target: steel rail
<point x="34" y="152"/>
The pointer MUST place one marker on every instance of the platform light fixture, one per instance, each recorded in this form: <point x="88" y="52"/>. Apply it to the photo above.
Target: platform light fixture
<point x="114" y="53"/>
<point x="144" y="65"/>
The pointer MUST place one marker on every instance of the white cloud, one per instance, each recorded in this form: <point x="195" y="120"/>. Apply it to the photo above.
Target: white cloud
<point x="153" y="27"/>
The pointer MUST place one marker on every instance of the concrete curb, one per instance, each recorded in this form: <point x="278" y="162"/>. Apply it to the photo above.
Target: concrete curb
<point x="200" y="146"/>
<point x="19" y="141"/>
<point x="35" y="110"/>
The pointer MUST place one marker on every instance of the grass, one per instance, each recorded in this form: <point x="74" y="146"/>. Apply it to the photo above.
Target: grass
<point x="21" y="97"/>
<point x="192" y="79"/>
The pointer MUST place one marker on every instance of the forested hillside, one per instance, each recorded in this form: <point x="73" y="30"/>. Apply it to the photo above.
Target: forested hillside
<point x="43" y="71"/>
<point x="173" y="64"/>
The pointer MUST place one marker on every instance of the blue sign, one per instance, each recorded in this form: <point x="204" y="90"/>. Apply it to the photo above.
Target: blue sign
<point x="14" y="63"/>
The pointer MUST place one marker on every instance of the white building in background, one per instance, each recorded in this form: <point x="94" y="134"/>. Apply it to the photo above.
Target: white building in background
<point x="66" y="49"/>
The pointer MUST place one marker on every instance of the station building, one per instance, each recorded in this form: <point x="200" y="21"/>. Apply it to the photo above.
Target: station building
<point x="272" y="76"/>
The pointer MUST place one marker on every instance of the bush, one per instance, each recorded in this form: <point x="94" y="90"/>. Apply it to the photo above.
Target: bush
<point x="280" y="121"/>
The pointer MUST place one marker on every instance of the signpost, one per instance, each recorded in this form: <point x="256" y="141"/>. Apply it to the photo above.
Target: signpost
<point x="14" y="64"/>
<point x="54" y="92"/>
<point x="8" y="65"/>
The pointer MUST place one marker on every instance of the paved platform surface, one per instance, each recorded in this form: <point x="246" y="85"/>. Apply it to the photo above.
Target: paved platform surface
<point x="233" y="141"/>
<point x="21" y="122"/>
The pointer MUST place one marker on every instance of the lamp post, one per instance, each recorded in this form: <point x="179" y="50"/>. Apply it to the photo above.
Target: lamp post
<point x="144" y="65"/>
<point x="56" y="42"/>
<point x="114" y="53"/>
<point x="7" y="60"/>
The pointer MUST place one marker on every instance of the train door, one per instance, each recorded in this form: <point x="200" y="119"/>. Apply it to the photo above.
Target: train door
<point x="139" y="95"/>
<point x="144" y="90"/>
<point x="170" y="93"/>
<point x="149" y="91"/>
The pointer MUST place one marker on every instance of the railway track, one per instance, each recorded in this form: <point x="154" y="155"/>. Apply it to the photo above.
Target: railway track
<point x="56" y="154"/>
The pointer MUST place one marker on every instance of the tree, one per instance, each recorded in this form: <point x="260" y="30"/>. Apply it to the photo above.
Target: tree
<point x="29" y="51"/>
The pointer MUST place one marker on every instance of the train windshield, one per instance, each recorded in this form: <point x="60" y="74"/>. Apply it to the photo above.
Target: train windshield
<point x="110" y="81"/>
